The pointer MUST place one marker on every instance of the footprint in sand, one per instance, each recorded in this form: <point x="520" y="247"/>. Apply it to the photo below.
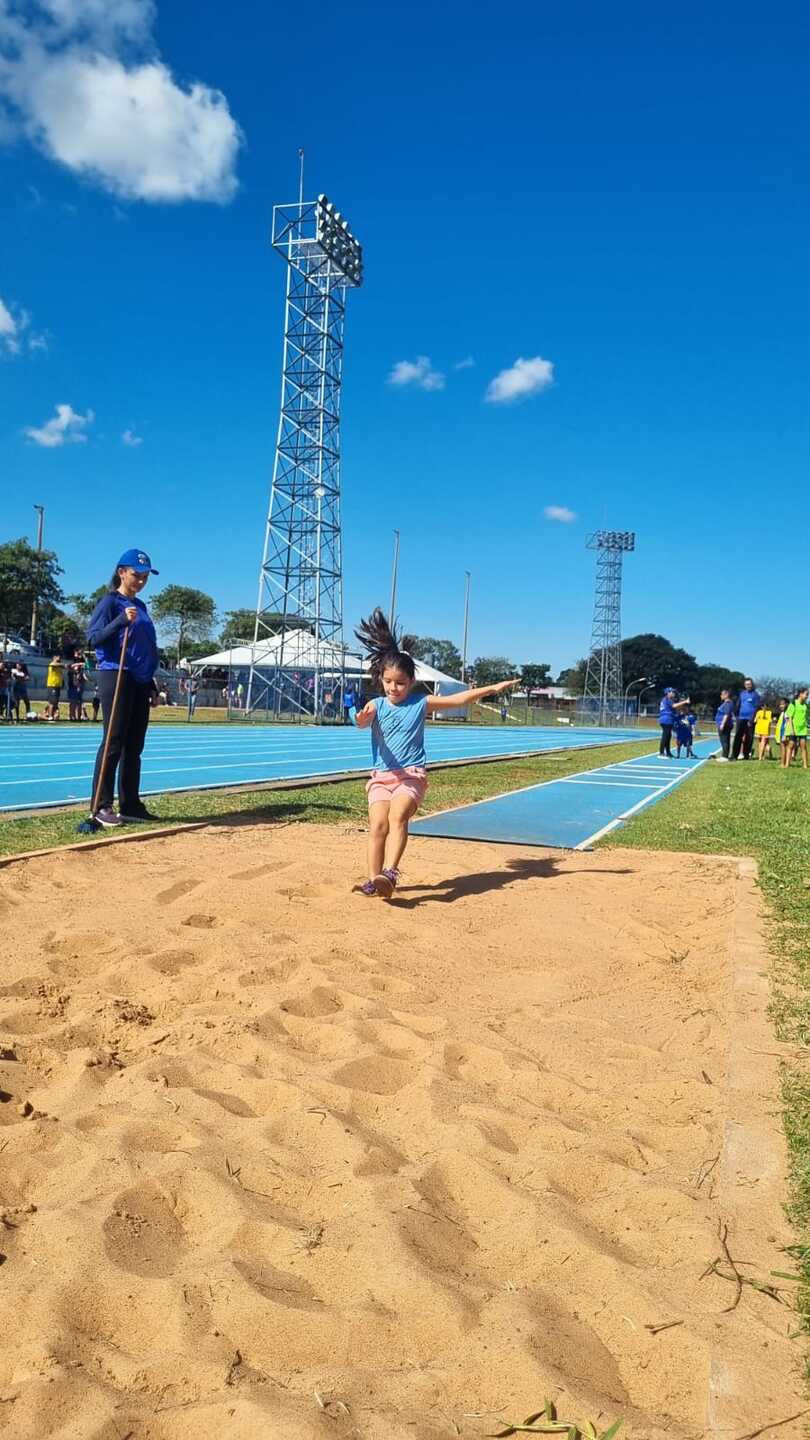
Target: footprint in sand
<point x="318" y="1001"/>
<point x="275" y="1285"/>
<point x="201" y="922"/>
<point x="376" y="1075"/>
<point x="171" y="962"/>
<point x="258" y="870"/>
<point x="176" y="891"/>
<point x="231" y="1103"/>
<point x="142" y="1233"/>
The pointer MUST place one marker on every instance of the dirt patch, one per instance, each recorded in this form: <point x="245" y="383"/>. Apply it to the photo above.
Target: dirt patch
<point x="381" y="1170"/>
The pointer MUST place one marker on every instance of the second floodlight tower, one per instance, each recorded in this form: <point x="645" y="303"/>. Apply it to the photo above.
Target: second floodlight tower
<point x="298" y="641"/>
<point x="603" y="696"/>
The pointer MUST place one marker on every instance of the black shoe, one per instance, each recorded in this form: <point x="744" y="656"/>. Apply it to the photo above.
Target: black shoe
<point x="136" y="814"/>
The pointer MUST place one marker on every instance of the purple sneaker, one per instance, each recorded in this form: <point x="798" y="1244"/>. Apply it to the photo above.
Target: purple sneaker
<point x="369" y="888"/>
<point x="386" y="883"/>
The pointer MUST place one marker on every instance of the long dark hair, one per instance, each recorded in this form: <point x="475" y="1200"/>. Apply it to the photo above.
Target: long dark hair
<point x="114" y="583"/>
<point x="384" y="649"/>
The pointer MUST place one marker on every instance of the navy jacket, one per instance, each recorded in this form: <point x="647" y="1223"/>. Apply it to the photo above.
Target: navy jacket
<point x="106" y="633"/>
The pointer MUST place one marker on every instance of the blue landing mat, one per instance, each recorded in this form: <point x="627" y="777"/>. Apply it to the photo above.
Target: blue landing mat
<point x="572" y="812"/>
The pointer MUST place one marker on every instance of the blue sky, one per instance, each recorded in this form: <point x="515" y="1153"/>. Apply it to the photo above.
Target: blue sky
<point x="620" y="192"/>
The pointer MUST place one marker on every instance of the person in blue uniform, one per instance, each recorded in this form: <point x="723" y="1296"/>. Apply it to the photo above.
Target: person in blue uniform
<point x="118" y="612"/>
<point x="668" y="712"/>
<point x="747" y="705"/>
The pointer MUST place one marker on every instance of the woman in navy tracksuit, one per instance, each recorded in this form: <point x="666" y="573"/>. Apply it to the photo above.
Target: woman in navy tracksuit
<point x="118" y="613"/>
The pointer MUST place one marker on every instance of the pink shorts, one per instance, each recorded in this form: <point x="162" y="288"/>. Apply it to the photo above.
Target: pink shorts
<point x="385" y="784"/>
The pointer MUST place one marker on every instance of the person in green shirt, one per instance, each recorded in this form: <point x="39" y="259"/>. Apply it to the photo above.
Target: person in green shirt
<point x="797" y="726"/>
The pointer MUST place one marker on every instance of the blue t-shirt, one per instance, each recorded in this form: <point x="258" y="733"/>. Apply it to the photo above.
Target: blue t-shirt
<point x="666" y="714"/>
<point x="724" y="710"/>
<point x="750" y="702"/>
<point x="398" y="733"/>
<point x="106" y="633"/>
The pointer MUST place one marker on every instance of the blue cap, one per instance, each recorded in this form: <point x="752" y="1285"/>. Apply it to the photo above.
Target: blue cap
<point x="137" y="560"/>
<point x="670" y="690"/>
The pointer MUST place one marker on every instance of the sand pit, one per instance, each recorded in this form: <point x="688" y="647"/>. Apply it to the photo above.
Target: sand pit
<point x="302" y="1164"/>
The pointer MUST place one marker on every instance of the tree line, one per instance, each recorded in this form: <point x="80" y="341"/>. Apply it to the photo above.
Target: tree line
<point x="188" y="623"/>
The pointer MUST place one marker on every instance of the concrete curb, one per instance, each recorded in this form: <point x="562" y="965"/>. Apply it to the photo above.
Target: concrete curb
<point x="751" y="1194"/>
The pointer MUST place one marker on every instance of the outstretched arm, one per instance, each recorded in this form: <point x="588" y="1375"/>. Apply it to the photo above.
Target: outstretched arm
<point x="466" y="697"/>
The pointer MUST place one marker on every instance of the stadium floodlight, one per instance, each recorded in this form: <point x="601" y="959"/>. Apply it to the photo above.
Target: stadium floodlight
<point x="603" y="692"/>
<point x="301" y="576"/>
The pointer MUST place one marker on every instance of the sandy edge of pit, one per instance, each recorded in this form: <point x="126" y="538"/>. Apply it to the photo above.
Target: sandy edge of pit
<point x="753" y="1144"/>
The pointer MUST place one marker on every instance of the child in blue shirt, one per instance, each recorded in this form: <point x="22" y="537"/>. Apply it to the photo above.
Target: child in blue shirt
<point x="683" y="737"/>
<point x="397" y="722"/>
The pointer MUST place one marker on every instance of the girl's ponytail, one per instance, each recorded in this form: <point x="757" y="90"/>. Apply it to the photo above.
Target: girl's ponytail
<point x="384" y="650"/>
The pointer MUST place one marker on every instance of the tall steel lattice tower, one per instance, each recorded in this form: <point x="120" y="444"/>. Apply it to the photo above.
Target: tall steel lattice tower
<point x="603" y="697"/>
<point x="298" y="654"/>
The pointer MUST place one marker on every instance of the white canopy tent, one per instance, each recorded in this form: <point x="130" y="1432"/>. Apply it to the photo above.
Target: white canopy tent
<point x="300" y="653"/>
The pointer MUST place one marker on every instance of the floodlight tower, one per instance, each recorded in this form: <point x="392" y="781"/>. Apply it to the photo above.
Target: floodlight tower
<point x="603" y="677"/>
<point x="299" y="611"/>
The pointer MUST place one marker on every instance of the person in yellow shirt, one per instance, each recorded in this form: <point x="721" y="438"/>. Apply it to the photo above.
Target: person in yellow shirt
<point x="54" y="682"/>
<point x="762" y="732"/>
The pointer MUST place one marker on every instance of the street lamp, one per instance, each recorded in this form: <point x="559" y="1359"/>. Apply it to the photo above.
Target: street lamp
<point x="466" y="626"/>
<point x="40" y="509"/>
<point x="394" y="572"/>
<point x="640" y="681"/>
<point x="643" y="692"/>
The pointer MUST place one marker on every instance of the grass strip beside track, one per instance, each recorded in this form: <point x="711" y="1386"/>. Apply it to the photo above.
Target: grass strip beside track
<point x="325" y="803"/>
<point x="762" y="811"/>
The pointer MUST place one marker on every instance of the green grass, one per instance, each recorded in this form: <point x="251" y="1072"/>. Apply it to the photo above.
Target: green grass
<point x="322" y="804"/>
<point x="762" y="811"/>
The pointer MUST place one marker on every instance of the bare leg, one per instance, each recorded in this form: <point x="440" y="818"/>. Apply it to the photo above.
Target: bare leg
<point x="803" y="746"/>
<point x="402" y="808"/>
<point x="377" y="836"/>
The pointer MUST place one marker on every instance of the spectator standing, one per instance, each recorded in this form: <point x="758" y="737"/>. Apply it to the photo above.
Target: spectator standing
<point x="192" y="686"/>
<point x="780" y="733"/>
<point x="667" y="715"/>
<point x="797" y="726"/>
<point x="76" y="682"/>
<point x="762" y="730"/>
<point x="724" y="720"/>
<point x="54" y="681"/>
<point x="747" y="706"/>
<point x="118" y="614"/>
<point x="5" y="689"/>
<point x="19" y="683"/>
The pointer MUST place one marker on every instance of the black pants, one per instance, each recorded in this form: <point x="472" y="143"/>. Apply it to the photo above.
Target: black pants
<point x="127" y="735"/>
<point x="724" y="736"/>
<point x="665" y="748"/>
<point x="743" y="739"/>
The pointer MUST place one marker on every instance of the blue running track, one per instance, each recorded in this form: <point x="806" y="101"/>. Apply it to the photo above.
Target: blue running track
<point x="53" y="765"/>
<point x="572" y="812"/>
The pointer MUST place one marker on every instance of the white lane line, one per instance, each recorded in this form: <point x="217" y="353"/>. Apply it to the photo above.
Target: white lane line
<point x="612" y="784"/>
<point x="634" y="809"/>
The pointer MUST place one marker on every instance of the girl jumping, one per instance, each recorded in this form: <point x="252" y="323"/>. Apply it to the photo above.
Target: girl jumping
<point x="397" y="721"/>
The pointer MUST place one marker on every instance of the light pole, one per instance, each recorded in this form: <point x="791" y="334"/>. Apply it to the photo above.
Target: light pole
<point x="320" y="491"/>
<point x="466" y="626"/>
<point x="394" y="570"/>
<point x="40" y="509"/>
<point x="640" y="681"/>
<point x="642" y="693"/>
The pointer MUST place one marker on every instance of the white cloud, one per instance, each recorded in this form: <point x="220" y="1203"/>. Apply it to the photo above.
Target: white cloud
<point x="417" y="372"/>
<point x="466" y="364"/>
<point x="525" y="377"/>
<point x="131" y="439"/>
<point x="560" y="512"/>
<point x="15" y="335"/>
<point x="82" y="88"/>
<point x="65" y="427"/>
